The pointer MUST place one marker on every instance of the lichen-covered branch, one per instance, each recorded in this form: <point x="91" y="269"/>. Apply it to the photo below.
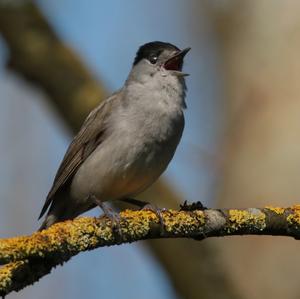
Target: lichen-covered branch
<point x="60" y="242"/>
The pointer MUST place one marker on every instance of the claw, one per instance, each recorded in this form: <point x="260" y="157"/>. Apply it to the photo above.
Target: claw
<point x="110" y="214"/>
<point x="158" y="212"/>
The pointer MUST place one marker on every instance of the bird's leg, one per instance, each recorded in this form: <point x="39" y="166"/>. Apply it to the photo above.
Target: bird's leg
<point x="158" y="212"/>
<point x="150" y="207"/>
<point x="109" y="213"/>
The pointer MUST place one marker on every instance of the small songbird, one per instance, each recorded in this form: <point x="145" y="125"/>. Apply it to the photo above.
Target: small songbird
<point x="127" y="141"/>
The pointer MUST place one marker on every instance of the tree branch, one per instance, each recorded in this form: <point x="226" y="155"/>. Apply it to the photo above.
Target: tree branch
<point x="60" y="242"/>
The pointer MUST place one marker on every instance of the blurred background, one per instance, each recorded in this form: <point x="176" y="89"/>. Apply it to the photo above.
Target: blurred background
<point x="240" y="148"/>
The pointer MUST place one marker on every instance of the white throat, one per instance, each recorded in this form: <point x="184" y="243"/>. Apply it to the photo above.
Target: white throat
<point x="159" y="87"/>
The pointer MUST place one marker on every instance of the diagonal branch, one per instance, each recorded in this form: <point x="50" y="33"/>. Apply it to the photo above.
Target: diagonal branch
<point x="60" y="242"/>
<point x="37" y="53"/>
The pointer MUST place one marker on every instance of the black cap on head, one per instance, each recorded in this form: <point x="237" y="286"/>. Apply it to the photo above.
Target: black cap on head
<point x="153" y="48"/>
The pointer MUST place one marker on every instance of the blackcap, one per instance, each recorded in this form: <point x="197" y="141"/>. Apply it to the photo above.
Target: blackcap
<point x="126" y="142"/>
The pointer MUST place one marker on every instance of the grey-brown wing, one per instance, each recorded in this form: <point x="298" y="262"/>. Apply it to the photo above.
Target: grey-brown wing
<point x="83" y="144"/>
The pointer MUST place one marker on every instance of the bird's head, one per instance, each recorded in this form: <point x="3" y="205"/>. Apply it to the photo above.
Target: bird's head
<point x="160" y="58"/>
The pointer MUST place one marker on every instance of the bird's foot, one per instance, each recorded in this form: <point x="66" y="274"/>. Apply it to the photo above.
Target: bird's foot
<point x="193" y="206"/>
<point x="158" y="212"/>
<point x="113" y="216"/>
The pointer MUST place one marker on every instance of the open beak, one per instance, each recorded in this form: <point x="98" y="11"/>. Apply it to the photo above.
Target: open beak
<point x="175" y="62"/>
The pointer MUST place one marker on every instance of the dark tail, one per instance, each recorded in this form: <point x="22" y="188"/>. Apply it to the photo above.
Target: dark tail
<point x="63" y="208"/>
<point x="59" y="210"/>
<point x="49" y="220"/>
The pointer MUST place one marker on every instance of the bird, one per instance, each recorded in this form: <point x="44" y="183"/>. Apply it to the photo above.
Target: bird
<point x="127" y="141"/>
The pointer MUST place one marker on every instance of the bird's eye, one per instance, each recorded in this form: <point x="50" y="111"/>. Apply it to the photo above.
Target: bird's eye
<point x="153" y="59"/>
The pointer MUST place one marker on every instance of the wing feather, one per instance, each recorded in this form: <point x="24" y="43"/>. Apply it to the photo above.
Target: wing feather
<point x="83" y="144"/>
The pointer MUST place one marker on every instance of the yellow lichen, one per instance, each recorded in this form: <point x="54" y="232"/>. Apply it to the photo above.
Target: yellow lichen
<point x="276" y="210"/>
<point x="71" y="237"/>
<point x="7" y="272"/>
<point x="137" y="224"/>
<point x="178" y="222"/>
<point x="63" y="240"/>
<point x="200" y="216"/>
<point x="294" y="217"/>
<point x="240" y="218"/>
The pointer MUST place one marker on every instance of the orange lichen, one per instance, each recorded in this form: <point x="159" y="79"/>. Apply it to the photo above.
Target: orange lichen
<point x="276" y="210"/>
<point x="242" y="218"/>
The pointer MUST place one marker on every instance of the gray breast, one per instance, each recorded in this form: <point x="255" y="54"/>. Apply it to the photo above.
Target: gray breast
<point x="143" y="134"/>
<point x="126" y="163"/>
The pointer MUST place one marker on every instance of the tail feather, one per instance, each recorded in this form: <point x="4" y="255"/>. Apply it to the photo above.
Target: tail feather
<point x="49" y="220"/>
<point x="58" y="210"/>
<point x="63" y="208"/>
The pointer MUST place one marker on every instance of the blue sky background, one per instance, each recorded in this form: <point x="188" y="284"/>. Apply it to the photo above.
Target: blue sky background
<point x="106" y="34"/>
